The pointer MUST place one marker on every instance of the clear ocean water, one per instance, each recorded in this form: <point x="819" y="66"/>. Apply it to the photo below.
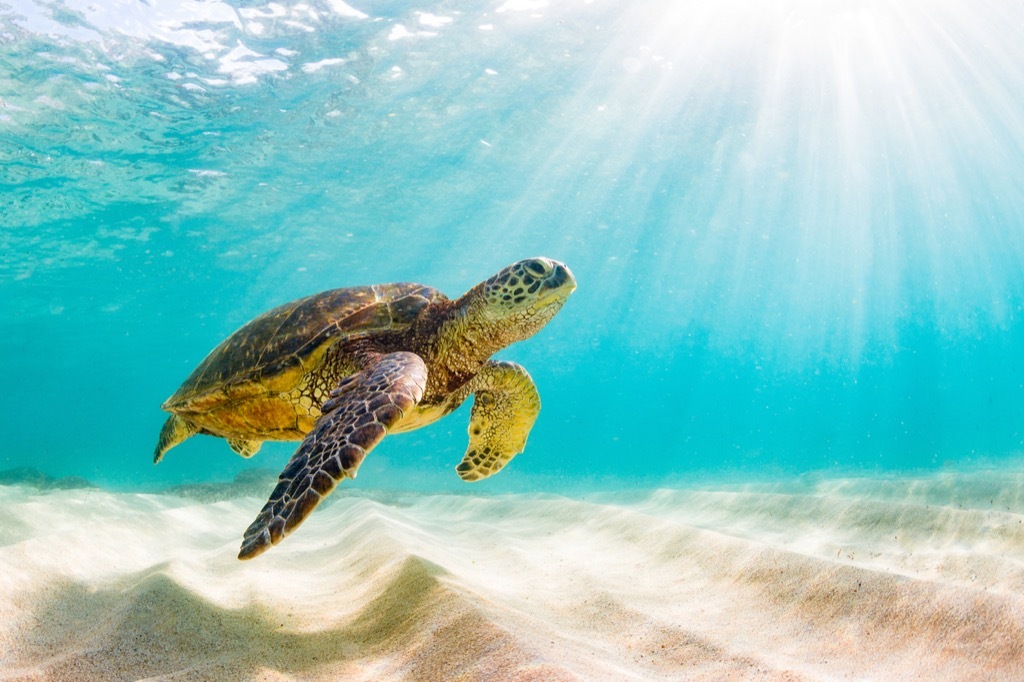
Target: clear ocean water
<point x="797" y="225"/>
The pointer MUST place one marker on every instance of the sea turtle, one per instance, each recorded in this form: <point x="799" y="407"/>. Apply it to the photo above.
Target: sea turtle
<point x="341" y="369"/>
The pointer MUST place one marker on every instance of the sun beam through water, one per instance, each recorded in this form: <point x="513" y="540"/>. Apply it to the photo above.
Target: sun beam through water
<point x="822" y="169"/>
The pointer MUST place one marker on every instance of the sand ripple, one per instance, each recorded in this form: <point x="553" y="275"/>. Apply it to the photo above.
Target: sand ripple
<point x="829" y="579"/>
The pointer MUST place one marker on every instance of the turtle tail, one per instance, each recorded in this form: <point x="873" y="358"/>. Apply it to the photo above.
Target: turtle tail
<point x="175" y="430"/>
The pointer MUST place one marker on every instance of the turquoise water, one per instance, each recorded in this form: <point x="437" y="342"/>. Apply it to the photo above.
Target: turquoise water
<point x="797" y="227"/>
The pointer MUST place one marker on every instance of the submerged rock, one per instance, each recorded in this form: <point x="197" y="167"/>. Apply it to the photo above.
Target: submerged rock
<point x="248" y="483"/>
<point x="42" y="481"/>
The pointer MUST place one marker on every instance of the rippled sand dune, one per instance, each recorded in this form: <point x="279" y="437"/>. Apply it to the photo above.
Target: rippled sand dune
<point x="809" y="580"/>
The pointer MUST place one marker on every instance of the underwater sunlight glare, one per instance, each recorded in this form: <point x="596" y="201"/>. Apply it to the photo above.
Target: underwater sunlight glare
<point x="816" y="178"/>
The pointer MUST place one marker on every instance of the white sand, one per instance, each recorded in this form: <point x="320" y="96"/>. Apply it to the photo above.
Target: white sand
<point x="854" y="579"/>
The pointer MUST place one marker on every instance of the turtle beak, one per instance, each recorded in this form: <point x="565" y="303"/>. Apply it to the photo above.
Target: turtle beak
<point x="558" y="284"/>
<point x="561" y="278"/>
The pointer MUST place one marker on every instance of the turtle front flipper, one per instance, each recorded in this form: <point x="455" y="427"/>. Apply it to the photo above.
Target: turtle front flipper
<point x="505" y="407"/>
<point x="356" y="418"/>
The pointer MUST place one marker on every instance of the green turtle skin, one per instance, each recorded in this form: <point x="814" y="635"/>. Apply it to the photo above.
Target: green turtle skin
<point x="341" y="369"/>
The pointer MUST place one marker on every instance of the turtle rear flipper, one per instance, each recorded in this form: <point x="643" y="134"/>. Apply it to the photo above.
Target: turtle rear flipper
<point x="175" y="430"/>
<point x="505" y="406"/>
<point x="354" y="420"/>
<point x="245" y="448"/>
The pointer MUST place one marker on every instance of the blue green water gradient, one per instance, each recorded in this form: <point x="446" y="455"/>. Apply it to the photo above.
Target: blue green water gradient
<point x="797" y="227"/>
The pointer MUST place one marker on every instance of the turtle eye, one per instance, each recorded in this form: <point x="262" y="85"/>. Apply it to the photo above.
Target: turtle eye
<point x="538" y="267"/>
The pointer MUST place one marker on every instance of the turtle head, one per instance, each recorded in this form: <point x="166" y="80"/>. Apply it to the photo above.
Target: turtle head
<point x="520" y="299"/>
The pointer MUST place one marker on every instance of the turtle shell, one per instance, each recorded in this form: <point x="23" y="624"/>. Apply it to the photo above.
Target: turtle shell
<point x="271" y="351"/>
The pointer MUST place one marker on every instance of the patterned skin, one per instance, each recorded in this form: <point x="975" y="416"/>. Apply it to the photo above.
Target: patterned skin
<point x="342" y="369"/>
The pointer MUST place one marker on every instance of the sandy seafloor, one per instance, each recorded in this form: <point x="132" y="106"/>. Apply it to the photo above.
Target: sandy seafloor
<point x="811" y="579"/>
